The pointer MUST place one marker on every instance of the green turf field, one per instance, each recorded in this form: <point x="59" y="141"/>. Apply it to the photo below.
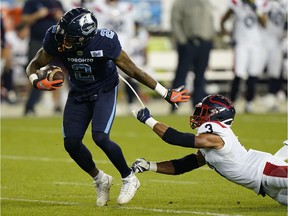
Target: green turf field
<point x="39" y="178"/>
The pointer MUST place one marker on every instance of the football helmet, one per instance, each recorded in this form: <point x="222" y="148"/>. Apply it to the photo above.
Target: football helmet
<point x="75" y="29"/>
<point x="213" y="108"/>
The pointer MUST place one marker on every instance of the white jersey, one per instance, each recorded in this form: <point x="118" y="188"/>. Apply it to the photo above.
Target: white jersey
<point x="272" y="36"/>
<point x="246" y="26"/>
<point x="276" y="19"/>
<point x="19" y="51"/>
<point x="248" y="37"/>
<point x="119" y="17"/>
<point x="233" y="161"/>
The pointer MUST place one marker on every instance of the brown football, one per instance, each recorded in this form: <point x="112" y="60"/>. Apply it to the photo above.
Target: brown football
<point x="55" y="73"/>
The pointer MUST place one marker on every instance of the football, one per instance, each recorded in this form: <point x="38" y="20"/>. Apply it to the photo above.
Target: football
<point x="51" y="72"/>
<point x="55" y="73"/>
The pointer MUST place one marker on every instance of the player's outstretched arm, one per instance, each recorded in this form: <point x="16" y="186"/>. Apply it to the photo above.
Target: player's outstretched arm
<point x="166" y="133"/>
<point x="171" y="167"/>
<point x="173" y="96"/>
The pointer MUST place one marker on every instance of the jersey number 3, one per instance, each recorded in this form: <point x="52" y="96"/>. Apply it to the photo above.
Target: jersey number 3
<point x="209" y="128"/>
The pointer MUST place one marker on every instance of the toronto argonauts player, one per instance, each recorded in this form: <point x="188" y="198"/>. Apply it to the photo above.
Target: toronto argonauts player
<point x="90" y="56"/>
<point x="219" y="147"/>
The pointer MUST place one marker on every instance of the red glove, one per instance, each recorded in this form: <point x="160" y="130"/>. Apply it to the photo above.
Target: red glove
<point x="45" y="84"/>
<point x="177" y="95"/>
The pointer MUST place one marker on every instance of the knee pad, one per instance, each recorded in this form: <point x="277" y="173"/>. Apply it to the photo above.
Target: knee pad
<point x="71" y="144"/>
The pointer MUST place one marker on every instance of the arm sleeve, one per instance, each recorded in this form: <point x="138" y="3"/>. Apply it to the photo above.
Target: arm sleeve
<point x="175" y="137"/>
<point x="185" y="164"/>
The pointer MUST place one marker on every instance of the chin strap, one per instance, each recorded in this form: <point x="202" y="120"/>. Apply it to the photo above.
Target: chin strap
<point x="61" y="48"/>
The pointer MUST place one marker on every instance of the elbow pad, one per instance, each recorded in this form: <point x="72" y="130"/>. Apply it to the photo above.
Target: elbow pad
<point x="175" y="137"/>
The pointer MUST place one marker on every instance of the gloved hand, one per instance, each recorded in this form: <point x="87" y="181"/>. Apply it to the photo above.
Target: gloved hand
<point x="45" y="84"/>
<point x="142" y="115"/>
<point x="177" y="95"/>
<point x="140" y="165"/>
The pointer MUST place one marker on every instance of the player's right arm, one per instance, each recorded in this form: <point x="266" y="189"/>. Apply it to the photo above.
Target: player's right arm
<point x="41" y="59"/>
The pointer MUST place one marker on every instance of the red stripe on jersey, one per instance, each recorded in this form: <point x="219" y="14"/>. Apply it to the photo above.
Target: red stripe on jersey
<point x="234" y="2"/>
<point x="219" y="123"/>
<point x="276" y="171"/>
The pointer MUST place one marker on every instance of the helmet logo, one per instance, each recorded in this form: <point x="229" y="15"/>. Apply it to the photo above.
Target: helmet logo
<point x="87" y="24"/>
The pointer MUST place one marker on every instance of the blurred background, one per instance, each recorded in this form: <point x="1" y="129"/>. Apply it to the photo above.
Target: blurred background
<point x="160" y="60"/>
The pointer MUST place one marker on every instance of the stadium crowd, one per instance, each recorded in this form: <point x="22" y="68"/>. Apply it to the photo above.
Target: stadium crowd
<point x="271" y="69"/>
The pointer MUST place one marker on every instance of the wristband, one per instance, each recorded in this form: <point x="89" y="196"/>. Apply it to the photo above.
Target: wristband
<point x="151" y="122"/>
<point x="161" y="90"/>
<point x="153" y="166"/>
<point x="33" y="77"/>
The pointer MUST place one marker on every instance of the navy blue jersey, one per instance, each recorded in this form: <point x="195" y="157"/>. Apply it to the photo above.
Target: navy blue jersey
<point x="91" y="69"/>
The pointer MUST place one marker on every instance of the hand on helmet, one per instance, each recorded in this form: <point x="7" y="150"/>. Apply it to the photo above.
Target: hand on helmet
<point x="177" y="95"/>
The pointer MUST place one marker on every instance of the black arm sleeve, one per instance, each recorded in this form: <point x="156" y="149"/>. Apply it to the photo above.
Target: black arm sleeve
<point x="185" y="164"/>
<point x="175" y="137"/>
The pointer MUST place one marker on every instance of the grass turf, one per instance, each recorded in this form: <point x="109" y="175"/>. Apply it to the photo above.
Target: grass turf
<point x="39" y="178"/>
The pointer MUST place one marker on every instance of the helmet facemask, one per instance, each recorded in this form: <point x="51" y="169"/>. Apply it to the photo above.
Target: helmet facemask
<point x="201" y="114"/>
<point x="213" y="108"/>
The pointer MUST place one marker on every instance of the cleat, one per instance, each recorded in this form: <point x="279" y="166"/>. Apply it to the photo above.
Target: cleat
<point x="103" y="186"/>
<point x="129" y="187"/>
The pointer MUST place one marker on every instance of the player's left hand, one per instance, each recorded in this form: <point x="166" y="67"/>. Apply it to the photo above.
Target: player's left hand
<point x="142" y="115"/>
<point x="177" y="95"/>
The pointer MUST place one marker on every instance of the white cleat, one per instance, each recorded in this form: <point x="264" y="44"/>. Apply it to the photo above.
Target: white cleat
<point x="103" y="186"/>
<point x="129" y="187"/>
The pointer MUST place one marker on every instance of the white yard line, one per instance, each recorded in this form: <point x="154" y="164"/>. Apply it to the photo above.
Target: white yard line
<point x="177" y="211"/>
<point x="44" y="159"/>
<point x="39" y="201"/>
<point x="168" y="211"/>
<point x="68" y="160"/>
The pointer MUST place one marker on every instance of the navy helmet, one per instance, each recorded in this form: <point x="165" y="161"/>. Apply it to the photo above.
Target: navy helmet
<point x="75" y="29"/>
<point x="213" y="108"/>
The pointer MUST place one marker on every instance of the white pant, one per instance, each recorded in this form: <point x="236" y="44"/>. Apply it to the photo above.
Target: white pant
<point x="249" y="59"/>
<point x="275" y="180"/>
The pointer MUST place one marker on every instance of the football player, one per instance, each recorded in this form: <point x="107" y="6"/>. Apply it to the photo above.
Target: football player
<point x="220" y="149"/>
<point x="248" y="25"/>
<point x="90" y="56"/>
<point x="273" y="34"/>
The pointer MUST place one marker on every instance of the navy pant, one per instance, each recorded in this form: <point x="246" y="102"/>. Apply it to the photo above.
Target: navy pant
<point x="100" y="111"/>
<point x="195" y="56"/>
